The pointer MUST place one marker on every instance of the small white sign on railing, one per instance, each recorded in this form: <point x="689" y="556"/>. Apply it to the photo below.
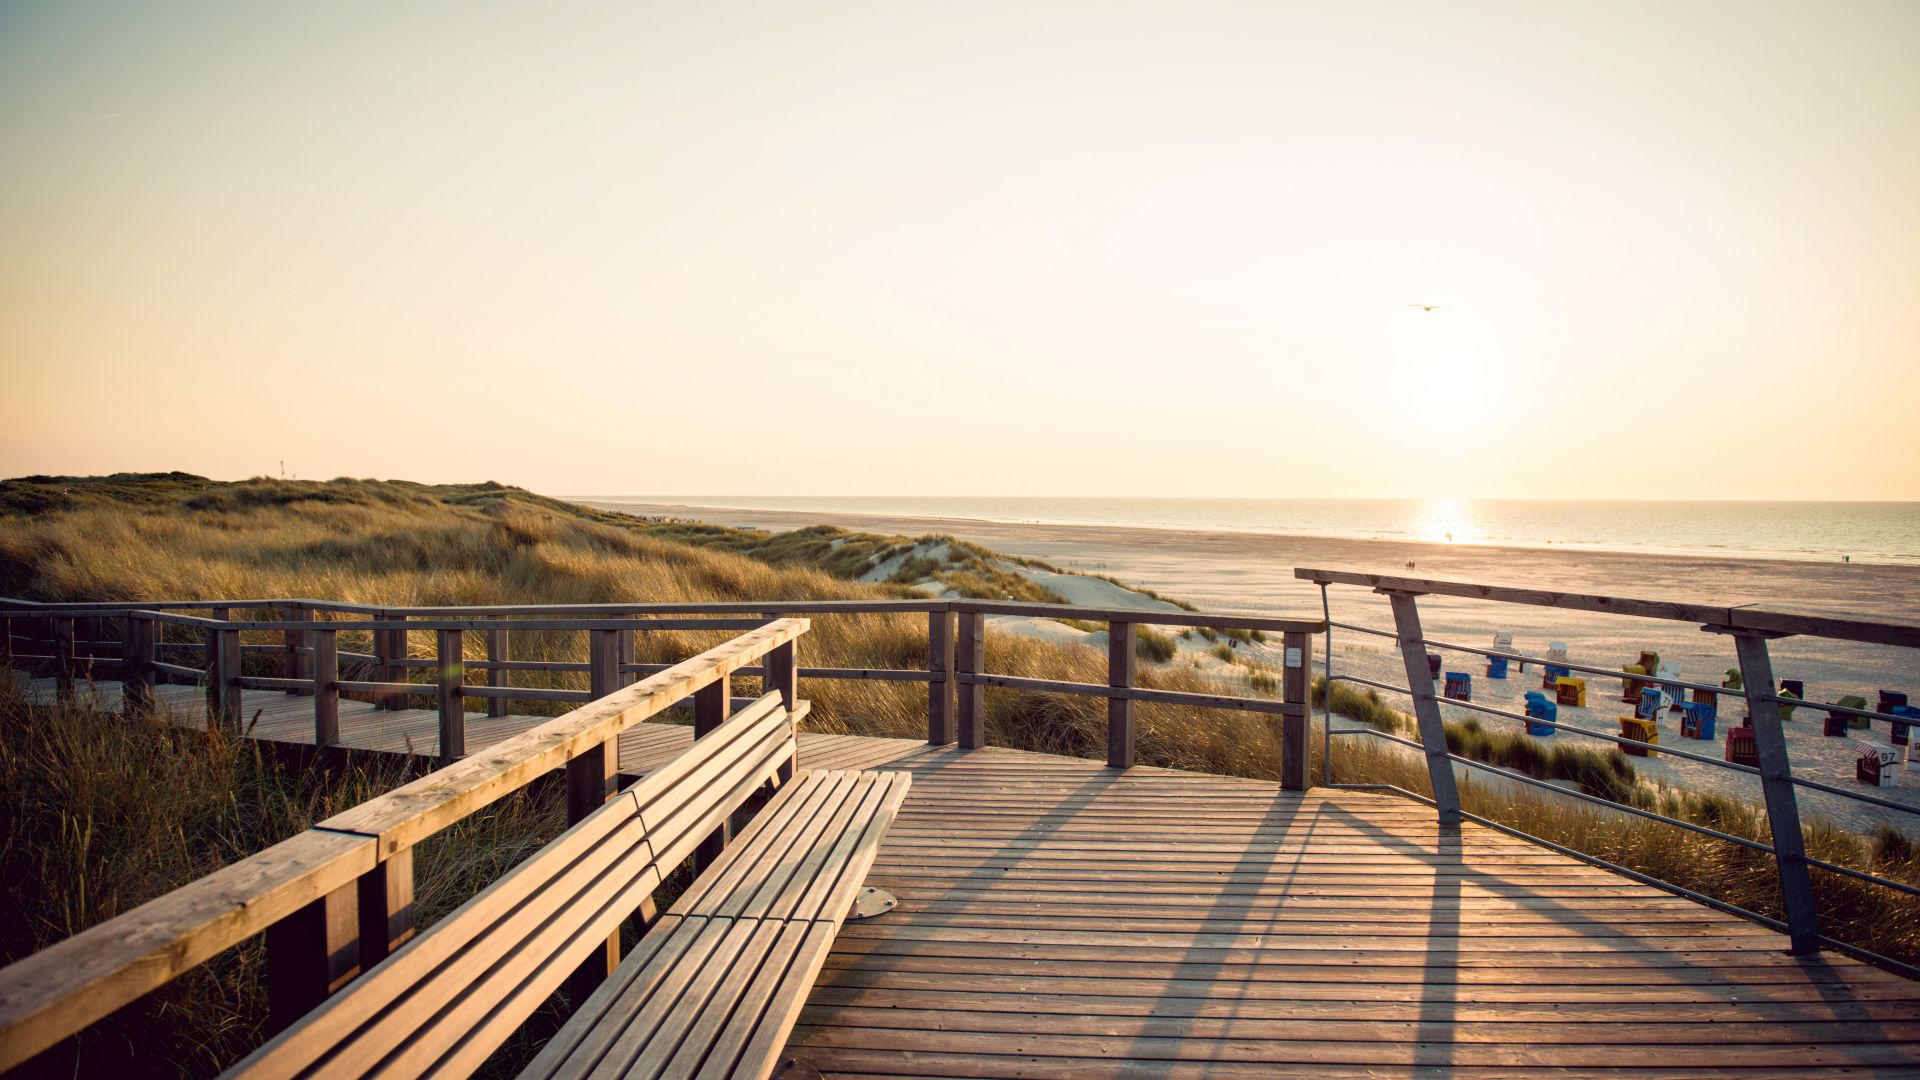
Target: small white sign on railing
<point x="1293" y="657"/>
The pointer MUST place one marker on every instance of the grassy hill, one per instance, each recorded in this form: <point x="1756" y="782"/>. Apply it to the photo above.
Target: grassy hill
<point x="174" y="536"/>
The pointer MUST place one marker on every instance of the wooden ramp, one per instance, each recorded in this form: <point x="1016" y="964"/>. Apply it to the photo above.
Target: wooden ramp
<point x="1058" y="918"/>
<point x="288" y="718"/>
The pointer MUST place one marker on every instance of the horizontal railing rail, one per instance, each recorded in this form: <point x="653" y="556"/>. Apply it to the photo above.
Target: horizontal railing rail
<point x="1750" y="629"/>
<point x="335" y="899"/>
<point x="955" y="674"/>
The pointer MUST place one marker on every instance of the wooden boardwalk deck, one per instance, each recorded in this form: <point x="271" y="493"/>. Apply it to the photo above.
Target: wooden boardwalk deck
<point x="1061" y="919"/>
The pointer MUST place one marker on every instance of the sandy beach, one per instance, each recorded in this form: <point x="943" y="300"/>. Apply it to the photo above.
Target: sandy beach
<point x="1254" y="574"/>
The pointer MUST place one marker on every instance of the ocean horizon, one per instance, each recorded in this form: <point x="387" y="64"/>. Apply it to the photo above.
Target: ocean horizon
<point x="1866" y="532"/>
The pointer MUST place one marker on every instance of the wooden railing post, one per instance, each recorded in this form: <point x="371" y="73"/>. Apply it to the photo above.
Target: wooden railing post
<point x="385" y="900"/>
<point x="390" y="646"/>
<point x="781" y="675"/>
<point x="85" y="644"/>
<point x="1776" y="785"/>
<point x="136" y="665"/>
<point x="449" y="649"/>
<point x="497" y="652"/>
<point x="970" y="650"/>
<point x="223" y="668"/>
<point x="591" y="780"/>
<point x="711" y="704"/>
<point x="941" y="699"/>
<point x="603" y="662"/>
<point x="63" y="657"/>
<point x="1121" y="662"/>
<point x="1426" y="708"/>
<point x="623" y="655"/>
<point x="310" y="954"/>
<point x="1295" y="684"/>
<point x="326" y="686"/>
<point x="299" y="661"/>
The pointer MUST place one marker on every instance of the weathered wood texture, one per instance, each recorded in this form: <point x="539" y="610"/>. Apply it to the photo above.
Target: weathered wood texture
<point x="1061" y="919"/>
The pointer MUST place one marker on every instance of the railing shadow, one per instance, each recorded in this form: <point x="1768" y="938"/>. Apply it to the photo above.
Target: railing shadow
<point x="1225" y="929"/>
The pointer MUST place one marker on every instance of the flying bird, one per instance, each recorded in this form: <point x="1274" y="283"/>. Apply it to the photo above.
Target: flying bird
<point x="1426" y="307"/>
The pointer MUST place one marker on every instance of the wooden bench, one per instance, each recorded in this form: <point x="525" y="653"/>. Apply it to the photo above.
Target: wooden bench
<point x="769" y="905"/>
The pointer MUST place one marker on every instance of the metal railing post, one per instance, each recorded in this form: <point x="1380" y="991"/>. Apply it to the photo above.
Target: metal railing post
<point x="1426" y="709"/>
<point x="1776" y="785"/>
<point x="1121" y="668"/>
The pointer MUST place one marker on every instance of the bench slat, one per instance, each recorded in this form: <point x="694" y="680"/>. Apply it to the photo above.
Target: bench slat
<point x="758" y="854"/>
<point x="768" y="1033"/>
<point x="587" y="1035"/>
<point x="776" y="895"/>
<point x="840" y="888"/>
<point x="648" y="1051"/>
<point x="723" y="1032"/>
<point x="754" y="932"/>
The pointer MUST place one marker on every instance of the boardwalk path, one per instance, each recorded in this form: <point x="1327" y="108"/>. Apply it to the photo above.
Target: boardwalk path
<point x="1060" y="919"/>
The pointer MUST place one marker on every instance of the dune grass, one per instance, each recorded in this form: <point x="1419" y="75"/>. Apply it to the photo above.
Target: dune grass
<point x="104" y="813"/>
<point x="1866" y="915"/>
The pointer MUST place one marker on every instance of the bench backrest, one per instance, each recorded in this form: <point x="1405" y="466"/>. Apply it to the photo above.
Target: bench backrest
<point x="446" y="1000"/>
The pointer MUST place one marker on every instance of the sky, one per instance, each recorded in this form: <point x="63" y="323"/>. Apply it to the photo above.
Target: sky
<point x="1051" y="248"/>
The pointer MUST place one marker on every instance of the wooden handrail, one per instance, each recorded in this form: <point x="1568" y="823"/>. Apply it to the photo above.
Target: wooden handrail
<point x="57" y="991"/>
<point x="477" y="617"/>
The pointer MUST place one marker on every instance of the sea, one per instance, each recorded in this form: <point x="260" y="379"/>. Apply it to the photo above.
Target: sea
<point x="1867" y="532"/>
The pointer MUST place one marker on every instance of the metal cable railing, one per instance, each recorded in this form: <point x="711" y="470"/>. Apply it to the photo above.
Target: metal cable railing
<point x="1773" y="771"/>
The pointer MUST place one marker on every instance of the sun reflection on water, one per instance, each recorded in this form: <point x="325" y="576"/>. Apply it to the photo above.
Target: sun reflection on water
<point x="1448" y="521"/>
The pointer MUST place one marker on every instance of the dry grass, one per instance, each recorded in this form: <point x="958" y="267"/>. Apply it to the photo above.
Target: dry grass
<point x="104" y="813"/>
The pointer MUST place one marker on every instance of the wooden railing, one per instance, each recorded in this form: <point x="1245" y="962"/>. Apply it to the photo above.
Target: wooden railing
<point x="335" y="899"/>
<point x="1750" y="630"/>
<point x="955" y="674"/>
